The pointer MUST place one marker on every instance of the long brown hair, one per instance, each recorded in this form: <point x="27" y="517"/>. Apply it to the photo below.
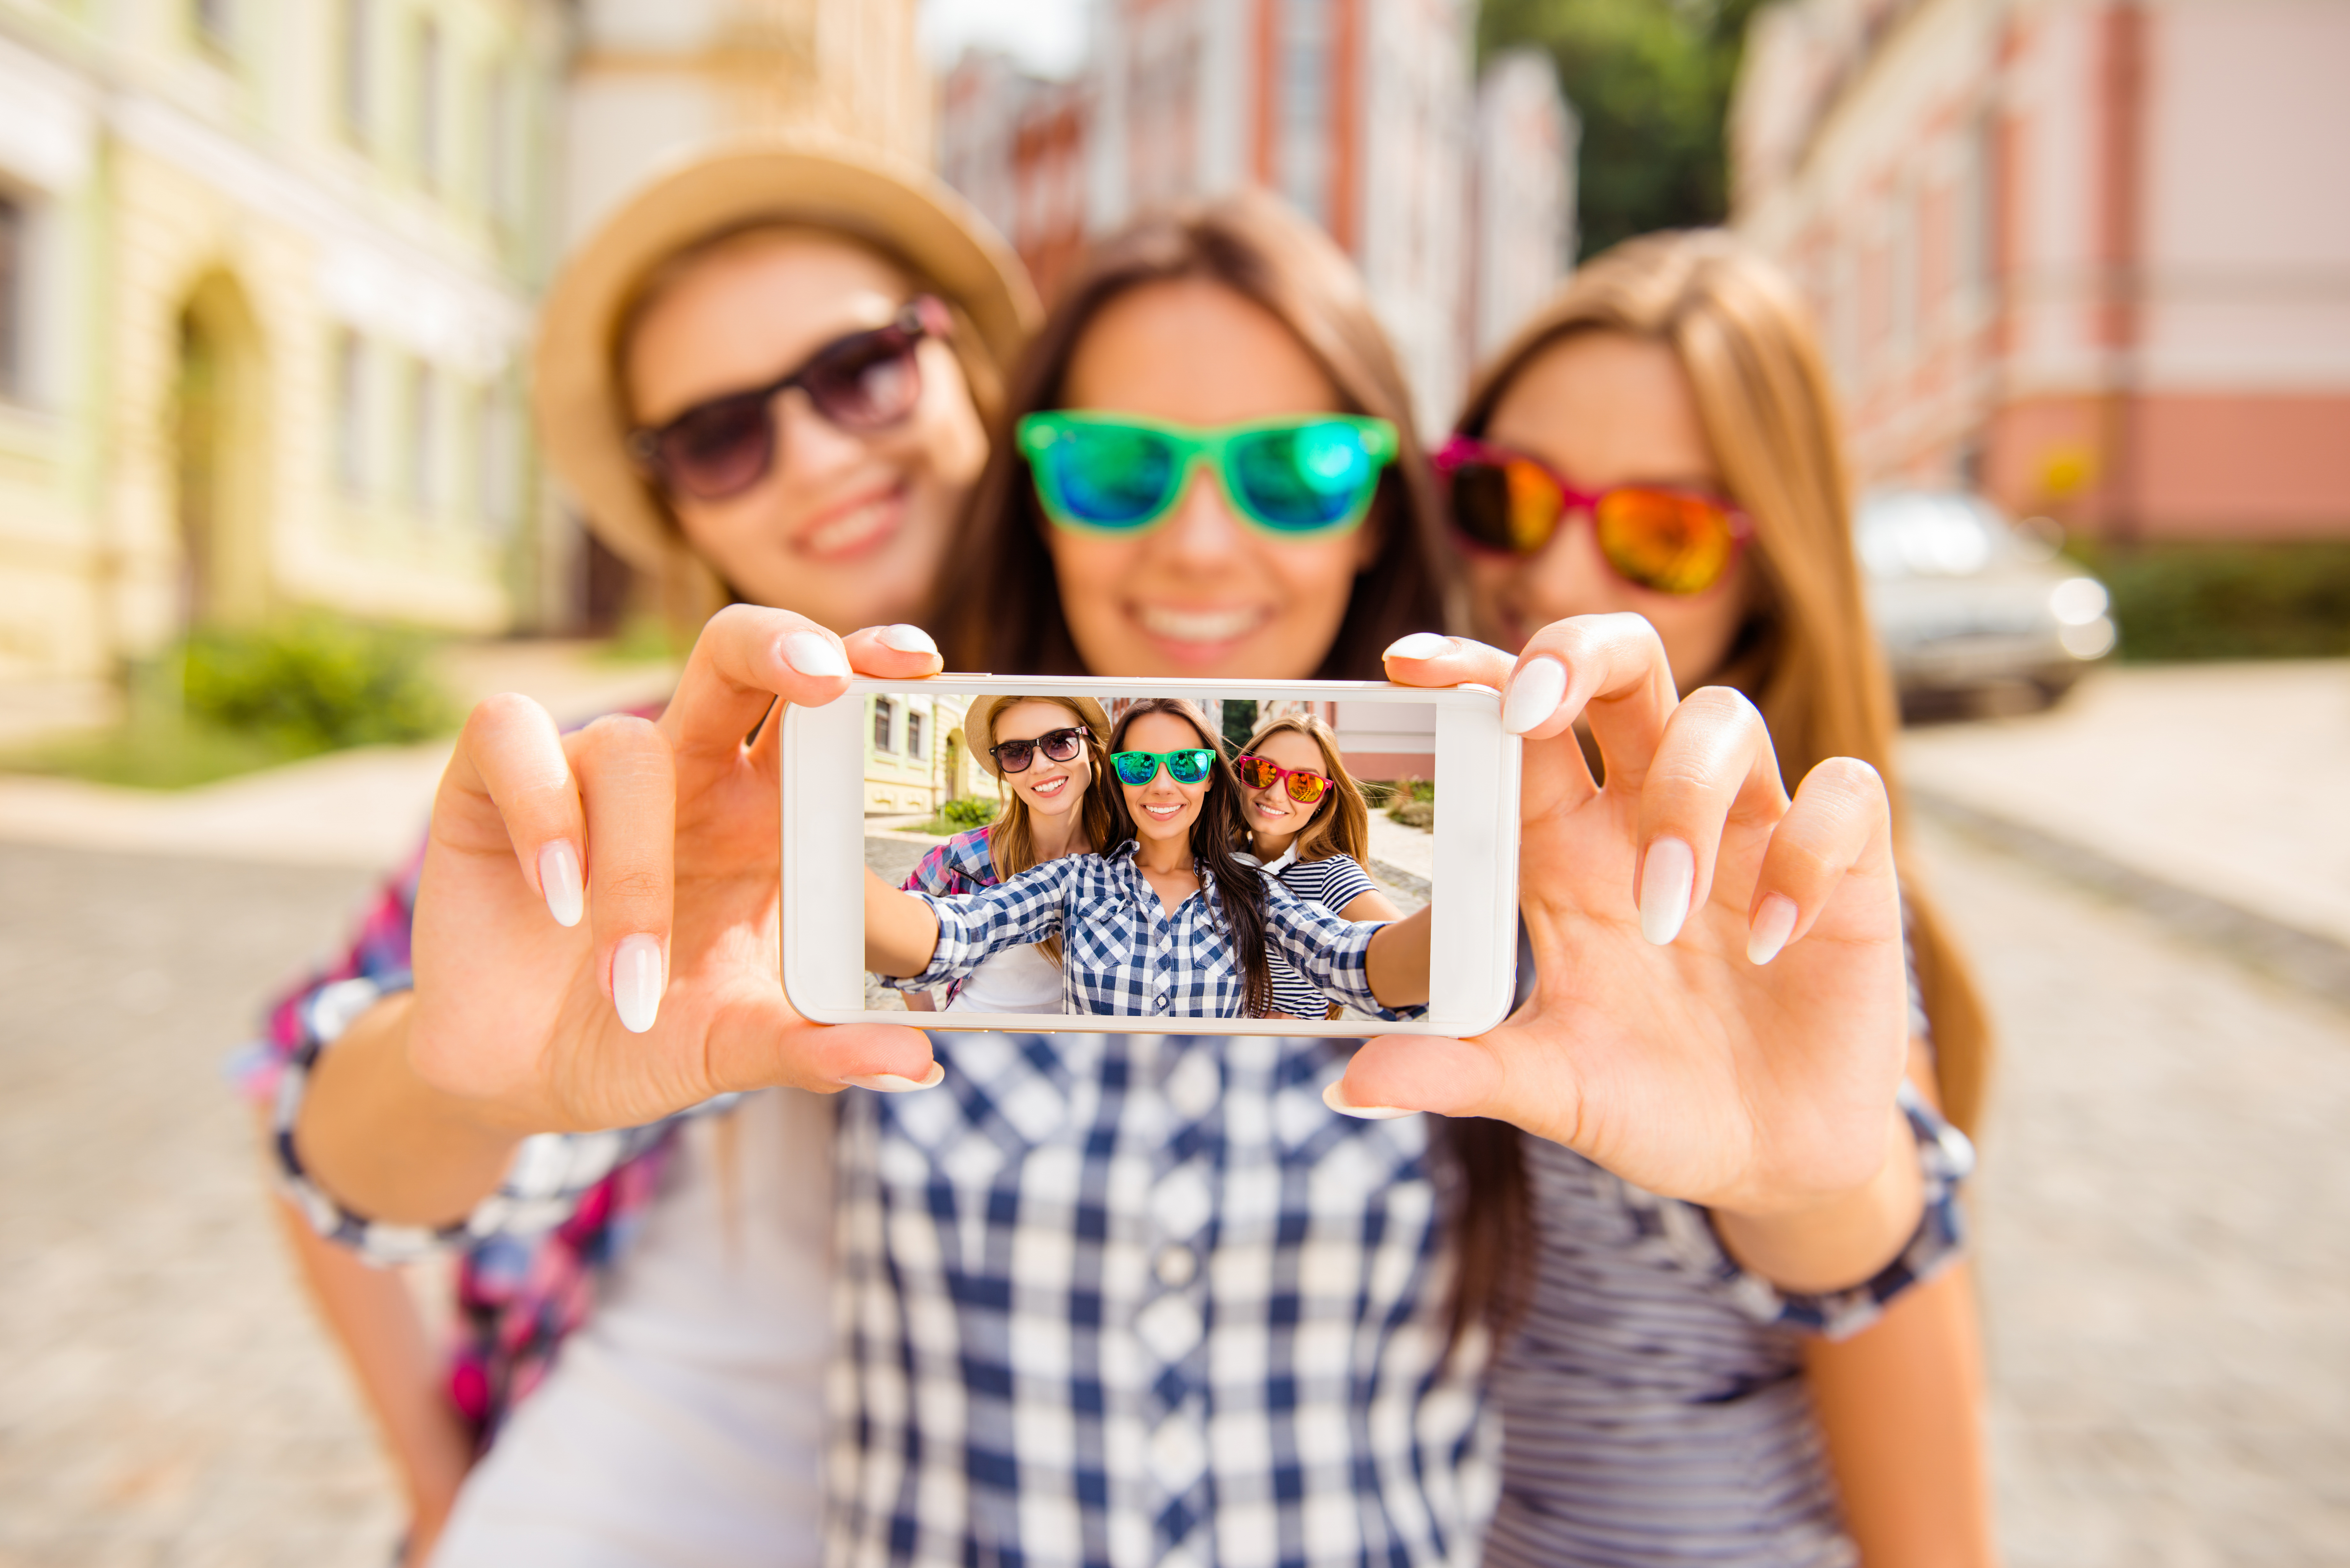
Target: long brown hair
<point x="1214" y="836"/>
<point x="1341" y="823"/>
<point x="1000" y="601"/>
<point x="1011" y="837"/>
<point x="1806" y="654"/>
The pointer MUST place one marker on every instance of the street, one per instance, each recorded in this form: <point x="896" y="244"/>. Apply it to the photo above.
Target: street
<point x="2162" y="1201"/>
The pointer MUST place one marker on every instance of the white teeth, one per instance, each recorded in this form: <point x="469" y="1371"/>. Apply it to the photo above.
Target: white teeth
<point x="1201" y="626"/>
<point x="856" y="526"/>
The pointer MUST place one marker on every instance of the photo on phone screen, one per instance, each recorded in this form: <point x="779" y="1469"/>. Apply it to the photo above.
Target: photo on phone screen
<point x="1262" y="857"/>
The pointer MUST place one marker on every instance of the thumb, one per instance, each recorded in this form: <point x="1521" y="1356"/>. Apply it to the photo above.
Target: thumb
<point x="1399" y="1074"/>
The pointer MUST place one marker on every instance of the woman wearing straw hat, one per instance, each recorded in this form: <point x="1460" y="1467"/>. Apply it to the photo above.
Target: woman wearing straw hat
<point x="1044" y="750"/>
<point x="764" y="377"/>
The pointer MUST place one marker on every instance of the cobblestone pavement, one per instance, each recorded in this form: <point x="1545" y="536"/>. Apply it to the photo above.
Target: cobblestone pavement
<point x="2164" y="1196"/>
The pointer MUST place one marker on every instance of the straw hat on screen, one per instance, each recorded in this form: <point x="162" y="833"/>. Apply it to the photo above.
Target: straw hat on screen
<point x="816" y="180"/>
<point x="978" y="721"/>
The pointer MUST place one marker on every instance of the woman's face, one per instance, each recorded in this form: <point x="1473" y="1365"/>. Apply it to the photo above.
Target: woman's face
<point x="1270" y="810"/>
<point x="1606" y="408"/>
<point x="1199" y="592"/>
<point x="1050" y="788"/>
<point x="845" y="528"/>
<point x="1164" y="809"/>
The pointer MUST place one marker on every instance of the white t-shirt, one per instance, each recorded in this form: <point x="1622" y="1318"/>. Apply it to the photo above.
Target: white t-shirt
<point x="1017" y="980"/>
<point x="682" y="1426"/>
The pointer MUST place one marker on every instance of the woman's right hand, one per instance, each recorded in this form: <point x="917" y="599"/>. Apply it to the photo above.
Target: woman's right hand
<point x="596" y="932"/>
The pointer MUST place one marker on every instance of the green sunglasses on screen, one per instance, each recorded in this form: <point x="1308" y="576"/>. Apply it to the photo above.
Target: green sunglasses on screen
<point x="1188" y="766"/>
<point x="1294" y="477"/>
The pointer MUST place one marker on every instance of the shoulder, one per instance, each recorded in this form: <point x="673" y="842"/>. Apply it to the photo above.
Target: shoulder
<point x="1340" y="875"/>
<point x="970" y="852"/>
<point x="962" y="865"/>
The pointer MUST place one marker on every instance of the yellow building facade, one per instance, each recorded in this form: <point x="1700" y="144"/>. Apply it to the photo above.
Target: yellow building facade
<point x="915" y="757"/>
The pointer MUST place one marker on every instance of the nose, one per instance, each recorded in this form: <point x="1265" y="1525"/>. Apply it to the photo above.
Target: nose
<point x="807" y="445"/>
<point x="1200" y="535"/>
<point x="1567" y="576"/>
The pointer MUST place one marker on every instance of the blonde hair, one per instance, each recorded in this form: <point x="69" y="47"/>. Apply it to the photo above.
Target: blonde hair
<point x="1806" y="656"/>
<point x="1341" y="824"/>
<point x="1011" y="838"/>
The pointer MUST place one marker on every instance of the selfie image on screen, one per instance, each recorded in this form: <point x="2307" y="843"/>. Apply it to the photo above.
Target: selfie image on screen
<point x="1149" y="856"/>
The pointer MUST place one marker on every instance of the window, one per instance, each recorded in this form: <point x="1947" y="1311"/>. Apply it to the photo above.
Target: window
<point x="1302" y="150"/>
<point x="914" y="735"/>
<point x="354" y="71"/>
<point x="424" y="453"/>
<point x="351" y="412"/>
<point x="499" y="185"/>
<point x="13" y="376"/>
<point x="884" y="714"/>
<point x="428" y="100"/>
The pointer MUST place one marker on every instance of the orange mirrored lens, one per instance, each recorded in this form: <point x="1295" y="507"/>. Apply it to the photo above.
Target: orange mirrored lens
<point x="1535" y="505"/>
<point x="1673" y="544"/>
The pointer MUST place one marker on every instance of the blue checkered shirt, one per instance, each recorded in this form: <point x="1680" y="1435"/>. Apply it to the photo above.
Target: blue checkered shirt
<point x="1123" y="954"/>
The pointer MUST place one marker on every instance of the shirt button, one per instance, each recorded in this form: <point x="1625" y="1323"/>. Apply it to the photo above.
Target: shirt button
<point x="1176" y="1267"/>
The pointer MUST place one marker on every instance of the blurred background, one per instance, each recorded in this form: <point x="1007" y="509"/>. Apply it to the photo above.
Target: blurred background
<point x="271" y="517"/>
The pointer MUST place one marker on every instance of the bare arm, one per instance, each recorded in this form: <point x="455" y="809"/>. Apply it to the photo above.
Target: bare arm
<point x="900" y="931"/>
<point x="1372" y="906"/>
<point x="1398" y="961"/>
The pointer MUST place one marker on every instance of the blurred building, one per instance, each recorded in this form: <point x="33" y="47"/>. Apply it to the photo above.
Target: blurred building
<point x="1364" y="114"/>
<point x="916" y="757"/>
<point x="267" y="275"/>
<point x="2091" y="256"/>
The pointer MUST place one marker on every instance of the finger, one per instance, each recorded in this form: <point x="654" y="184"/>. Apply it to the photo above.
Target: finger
<point x="901" y="652"/>
<point x="1553" y="773"/>
<point x="1713" y="764"/>
<point x="1610" y="670"/>
<point x="1402" y="1074"/>
<point x="746" y="656"/>
<point x="1835" y="838"/>
<point x="761" y="1042"/>
<point x="510" y="754"/>
<point x="628" y="783"/>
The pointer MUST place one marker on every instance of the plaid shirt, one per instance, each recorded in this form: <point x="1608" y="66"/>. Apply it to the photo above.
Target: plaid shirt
<point x="963" y="864"/>
<point x="1123" y="954"/>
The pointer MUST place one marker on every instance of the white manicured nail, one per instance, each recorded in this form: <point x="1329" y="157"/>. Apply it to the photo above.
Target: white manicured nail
<point x="558" y="882"/>
<point x="892" y="1084"/>
<point x="1774" y="922"/>
<point x="905" y="640"/>
<point x="1337" y="1102"/>
<point x="1665" y="878"/>
<point x="1420" y="645"/>
<point x="637" y="981"/>
<point x="812" y="655"/>
<point x="1535" y="692"/>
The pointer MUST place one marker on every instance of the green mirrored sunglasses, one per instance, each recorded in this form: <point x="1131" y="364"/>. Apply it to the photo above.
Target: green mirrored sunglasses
<point x="1297" y="476"/>
<point x="1138" y="768"/>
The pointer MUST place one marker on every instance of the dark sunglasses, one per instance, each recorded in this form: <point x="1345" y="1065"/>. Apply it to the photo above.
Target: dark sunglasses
<point x="1058" y="746"/>
<point x="1667" y="541"/>
<point x="1306" y="785"/>
<point x="863" y="382"/>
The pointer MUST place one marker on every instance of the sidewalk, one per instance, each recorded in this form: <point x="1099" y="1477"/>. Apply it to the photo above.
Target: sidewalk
<point x="2227" y="781"/>
<point x="362" y="809"/>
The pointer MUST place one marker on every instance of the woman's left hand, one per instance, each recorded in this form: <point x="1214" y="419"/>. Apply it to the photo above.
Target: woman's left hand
<point x="1721" y="1009"/>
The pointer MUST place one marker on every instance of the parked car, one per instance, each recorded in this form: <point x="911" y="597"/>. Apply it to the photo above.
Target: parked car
<point x="1973" y="610"/>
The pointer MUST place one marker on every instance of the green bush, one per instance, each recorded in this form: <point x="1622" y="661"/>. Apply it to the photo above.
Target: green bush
<point x="315" y="683"/>
<point x="1410" y="801"/>
<point x="2196" y="601"/>
<point x="968" y="812"/>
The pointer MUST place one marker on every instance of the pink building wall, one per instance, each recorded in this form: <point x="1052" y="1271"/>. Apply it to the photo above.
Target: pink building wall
<point x="2092" y="256"/>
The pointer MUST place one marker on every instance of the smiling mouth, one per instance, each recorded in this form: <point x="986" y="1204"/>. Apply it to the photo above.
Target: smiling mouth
<point x="1273" y="812"/>
<point x="1165" y="812"/>
<point x="1200" y="631"/>
<point x="1050" y="786"/>
<point x="855" y="528"/>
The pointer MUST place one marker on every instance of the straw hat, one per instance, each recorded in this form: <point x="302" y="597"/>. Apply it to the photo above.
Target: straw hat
<point x="979" y="722"/>
<point x="820" y="181"/>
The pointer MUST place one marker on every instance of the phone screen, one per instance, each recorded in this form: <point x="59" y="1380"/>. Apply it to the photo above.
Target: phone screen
<point x="1079" y="850"/>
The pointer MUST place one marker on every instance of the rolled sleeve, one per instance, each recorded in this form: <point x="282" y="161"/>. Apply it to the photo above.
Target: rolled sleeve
<point x="975" y="927"/>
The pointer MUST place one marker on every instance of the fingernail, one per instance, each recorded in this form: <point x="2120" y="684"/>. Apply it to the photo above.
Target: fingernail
<point x="1337" y="1102"/>
<point x="558" y="882"/>
<point x="1420" y="645"/>
<point x="1535" y="692"/>
<point x="812" y="655"/>
<point x="1774" y="922"/>
<point x="636" y="981"/>
<point x="892" y="1084"/>
<point x="905" y="640"/>
<point x="1666" y="877"/>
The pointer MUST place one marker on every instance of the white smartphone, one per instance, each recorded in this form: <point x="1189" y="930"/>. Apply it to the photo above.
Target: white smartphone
<point x="883" y="775"/>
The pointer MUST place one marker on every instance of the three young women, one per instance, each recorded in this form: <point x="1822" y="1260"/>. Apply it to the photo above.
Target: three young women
<point x="766" y="377"/>
<point x="1030" y="1255"/>
<point x="1309" y="826"/>
<point x="1168" y="923"/>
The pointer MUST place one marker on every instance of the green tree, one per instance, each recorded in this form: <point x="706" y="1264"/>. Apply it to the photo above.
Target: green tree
<point x="1650" y="82"/>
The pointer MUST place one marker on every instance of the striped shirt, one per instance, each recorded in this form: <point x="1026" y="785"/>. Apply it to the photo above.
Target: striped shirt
<point x="1334" y="882"/>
